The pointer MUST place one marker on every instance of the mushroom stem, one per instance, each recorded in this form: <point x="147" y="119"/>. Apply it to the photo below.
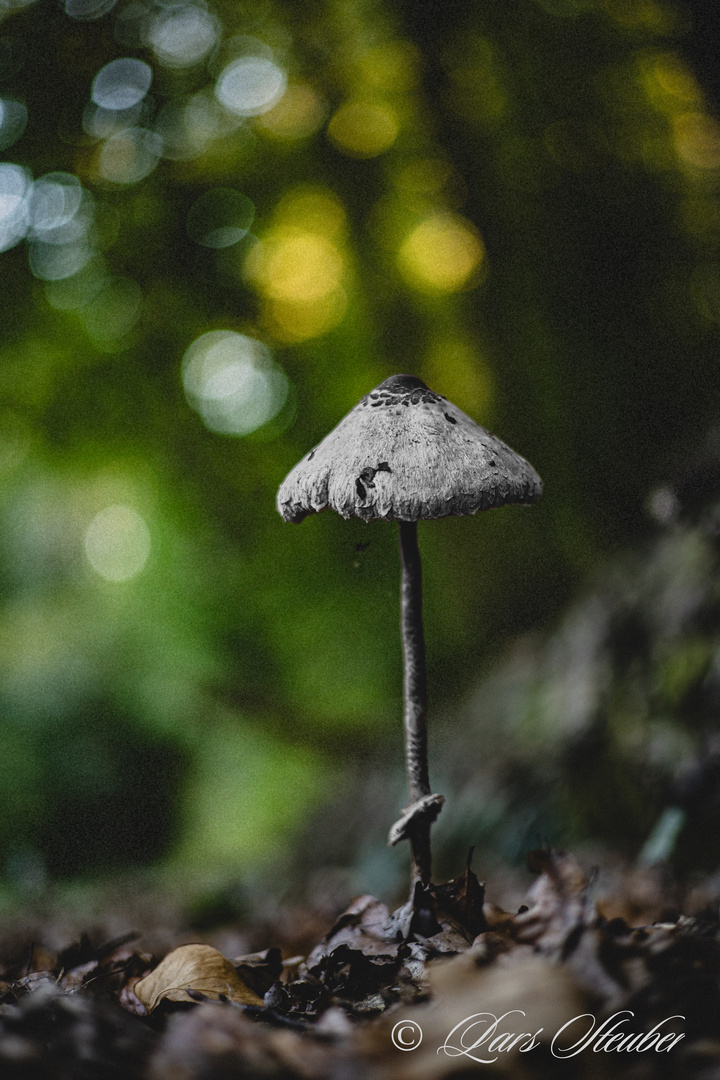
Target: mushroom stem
<point x="415" y="690"/>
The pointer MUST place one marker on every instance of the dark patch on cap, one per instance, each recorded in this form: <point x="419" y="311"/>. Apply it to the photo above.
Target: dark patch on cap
<point x="449" y="418"/>
<point x="367" y="477"/>
<point x="402" y="390"/>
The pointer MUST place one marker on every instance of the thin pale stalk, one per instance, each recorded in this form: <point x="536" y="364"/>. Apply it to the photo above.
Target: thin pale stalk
<point x="415" y="692"/>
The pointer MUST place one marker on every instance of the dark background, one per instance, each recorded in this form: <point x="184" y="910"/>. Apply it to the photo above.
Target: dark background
<point x="517" y="202"/>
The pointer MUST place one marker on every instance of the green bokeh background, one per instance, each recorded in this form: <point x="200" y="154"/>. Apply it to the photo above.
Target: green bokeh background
<point x="197" y="712"/>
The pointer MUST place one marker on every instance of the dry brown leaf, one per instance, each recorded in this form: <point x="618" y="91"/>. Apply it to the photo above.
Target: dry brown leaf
<point x="558" y="909"/>
<point x="198" y="968"/>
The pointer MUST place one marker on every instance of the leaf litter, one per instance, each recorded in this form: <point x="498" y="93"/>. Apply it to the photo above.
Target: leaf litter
<point x="446" y="956"/>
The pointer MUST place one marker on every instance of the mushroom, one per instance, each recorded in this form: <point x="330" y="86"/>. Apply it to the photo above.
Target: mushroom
<point x="402" y="454"/>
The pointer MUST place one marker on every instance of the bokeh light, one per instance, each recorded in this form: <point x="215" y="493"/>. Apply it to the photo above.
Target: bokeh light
<point x="53" y="262"/>
<point x="642" y="15"/>
<point x="15" y="182"/>
<point x="129" y="155"/>
<point x="299" y="267"/>
<point x="79" y="290"/>
<point x="13" y="120"/>
<point x="220" y="218"/>
<point x="122" y="83"/>
<point x="54" y="201"/>
<point x="182" y="35"/>
<point x="187" y="126"/>
<point x="232" y="382"/>
<point x="61" y="217"/>
<point x="250" y="85"/>
<point x="117" y="543"/>
<point x="300" y="275"/>
<point x="86" y="10"/>
<point x="315" y="209"/>
<point x="299" y="114"/>
<point x="364" y="129"/>
<point x="697" y="140"/>
<point x="100" y="123"/>
<point x="204" y="117"/>
<point x="441" y="254"/>
<point x="668" y="75"/>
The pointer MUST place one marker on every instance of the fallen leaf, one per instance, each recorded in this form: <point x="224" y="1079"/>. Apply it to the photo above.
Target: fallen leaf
<point x="365" y="925"/>
<point x="558" y="908"/>
<point x="259" y="970"/>
<point x="463" y="899"/>
<point x="197" y="968"/>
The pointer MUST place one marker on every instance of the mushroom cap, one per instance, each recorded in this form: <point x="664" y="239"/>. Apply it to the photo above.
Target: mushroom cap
<point x="405" y="453"/>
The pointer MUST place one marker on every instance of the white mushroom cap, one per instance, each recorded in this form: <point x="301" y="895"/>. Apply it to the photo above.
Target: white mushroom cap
<point x="405" y="453"/>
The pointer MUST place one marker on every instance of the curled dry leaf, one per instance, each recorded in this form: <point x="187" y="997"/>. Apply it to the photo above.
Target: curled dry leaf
<point x="198" y="968"/>
<point x="558" y="906"/>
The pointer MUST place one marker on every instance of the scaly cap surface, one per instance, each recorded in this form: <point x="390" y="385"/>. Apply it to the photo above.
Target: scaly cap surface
<point x="405" y="453"/>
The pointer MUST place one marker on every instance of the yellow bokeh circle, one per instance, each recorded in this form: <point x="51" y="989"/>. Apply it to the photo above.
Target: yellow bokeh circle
<point x="441" y="254"/>
<point x="364" y="129"/>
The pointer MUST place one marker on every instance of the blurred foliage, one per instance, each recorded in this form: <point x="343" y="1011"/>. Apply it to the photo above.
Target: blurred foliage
<point x="221" y="223"/>
<point x="605" y="728"/>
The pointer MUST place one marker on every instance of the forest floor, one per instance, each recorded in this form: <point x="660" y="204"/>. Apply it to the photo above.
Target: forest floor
<point x="448" y="985"/>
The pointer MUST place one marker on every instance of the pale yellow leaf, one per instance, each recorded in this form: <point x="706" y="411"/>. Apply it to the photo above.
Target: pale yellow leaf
<point x="193" y="967"/>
